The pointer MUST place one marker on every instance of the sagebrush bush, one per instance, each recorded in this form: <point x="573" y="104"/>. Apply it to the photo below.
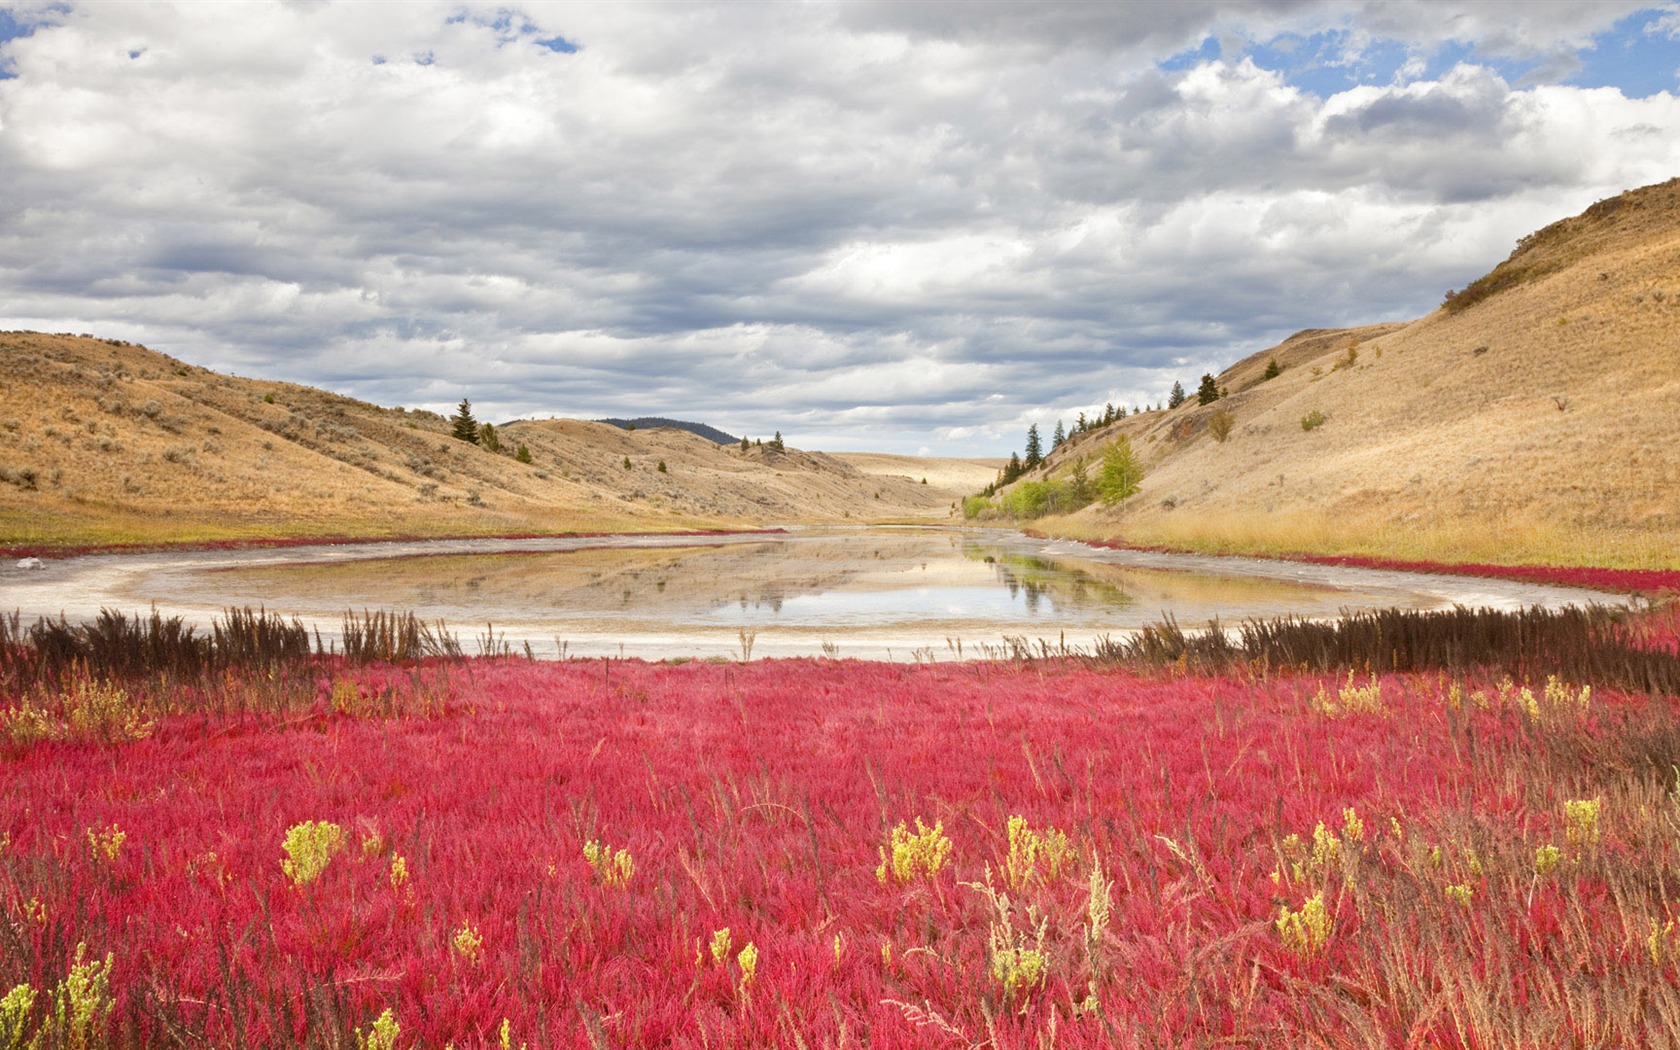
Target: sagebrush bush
<point x="1220" y="424"/>
<point x="1313" y="420"/>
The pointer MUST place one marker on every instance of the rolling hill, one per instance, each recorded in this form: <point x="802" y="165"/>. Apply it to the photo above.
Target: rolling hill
<point x="1534" y="417"/>
<point x="106" y="442"/>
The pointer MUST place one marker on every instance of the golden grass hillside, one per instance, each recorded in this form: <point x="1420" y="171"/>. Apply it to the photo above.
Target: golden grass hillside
<point x="1534" y="418"/>
<point x="106" y="442"/>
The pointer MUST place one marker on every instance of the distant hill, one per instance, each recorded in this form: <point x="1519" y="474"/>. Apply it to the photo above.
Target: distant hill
<point x="710" y="433"/>
<point x="103" y="441"/>
<point x="1533" y="417"/>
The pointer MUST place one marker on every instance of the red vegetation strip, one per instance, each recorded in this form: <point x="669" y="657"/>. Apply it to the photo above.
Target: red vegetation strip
<point x="1626" y="581"/>
<point x="755" y="798"/>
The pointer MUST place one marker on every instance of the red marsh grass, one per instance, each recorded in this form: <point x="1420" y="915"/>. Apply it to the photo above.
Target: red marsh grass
<point x="834" y="853"/>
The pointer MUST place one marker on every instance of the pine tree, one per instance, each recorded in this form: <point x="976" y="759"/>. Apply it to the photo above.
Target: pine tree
<point x="1273" y="369"/>
<point x="487" y="438"/>
<point x="1012" y="470"/>
<point x="776" y="442"/>
<point x="462" y="425"/>
<point x="745" y="444"/>
<point x="1176" y="398"/>
<point x="1035" y="448"/>
<point x="1208" y="392"/>
<point x="1058" y="437"/>
<point x="1083" y="492"/>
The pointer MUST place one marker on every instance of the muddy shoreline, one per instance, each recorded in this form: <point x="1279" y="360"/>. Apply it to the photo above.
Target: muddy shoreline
<point x="898" y="593"/>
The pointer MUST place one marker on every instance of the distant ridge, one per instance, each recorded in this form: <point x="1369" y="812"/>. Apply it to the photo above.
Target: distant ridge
<point x="710" y="433"/>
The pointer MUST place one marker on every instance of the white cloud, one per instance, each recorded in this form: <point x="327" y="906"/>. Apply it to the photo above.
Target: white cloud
<point x="902" y="225"/>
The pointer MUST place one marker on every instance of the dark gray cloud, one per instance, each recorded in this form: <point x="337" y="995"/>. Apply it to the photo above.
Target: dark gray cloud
<point x="865" y="225"/>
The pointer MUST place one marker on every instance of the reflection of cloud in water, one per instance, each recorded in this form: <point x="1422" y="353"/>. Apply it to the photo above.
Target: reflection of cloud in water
<point x="805" y="580"/>
<point x="866" y="607"/>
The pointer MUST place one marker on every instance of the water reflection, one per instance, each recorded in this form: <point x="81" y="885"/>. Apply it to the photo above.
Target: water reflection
<point x="865" y="592"/>
<point x="1048" y="586"/>
<point x="801" y="581"/>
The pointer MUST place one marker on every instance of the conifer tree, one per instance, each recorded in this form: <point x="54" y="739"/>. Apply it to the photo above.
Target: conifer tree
<point x="1176" y="398"/>
<point x="462" y="425"/>
<point x="1012" y="470"/>
<point x="1083" y="490"/>
<point x="1035" y="448"/>
<point x="1208" y="392"/>
<point x="1058" y="437"/>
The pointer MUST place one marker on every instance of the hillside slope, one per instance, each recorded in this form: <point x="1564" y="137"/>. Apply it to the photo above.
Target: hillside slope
<point x="103" y="441"/>
<point x="1535" y="417"/>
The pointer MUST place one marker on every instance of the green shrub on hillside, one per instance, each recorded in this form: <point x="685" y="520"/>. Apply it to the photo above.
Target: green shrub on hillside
<point x="978" y="507"/>
<point x="1121" y="475"/>
<point x="1313" y="420"/>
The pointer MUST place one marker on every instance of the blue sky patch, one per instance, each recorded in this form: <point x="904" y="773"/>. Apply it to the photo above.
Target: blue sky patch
<point x="11" y="28"/>
<point x="1639" y="56"/>
<point x="512" y="26"/>
<point x="1207" y="52"/>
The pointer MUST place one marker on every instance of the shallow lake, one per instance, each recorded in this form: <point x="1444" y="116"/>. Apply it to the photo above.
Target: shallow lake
<point x="899" y="593"/>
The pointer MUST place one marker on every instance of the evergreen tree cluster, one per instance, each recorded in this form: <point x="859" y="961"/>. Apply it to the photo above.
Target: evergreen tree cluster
<point x="1207" y="392"/>
<point x="463" y="427"/>
<point x="1034" y="457"/>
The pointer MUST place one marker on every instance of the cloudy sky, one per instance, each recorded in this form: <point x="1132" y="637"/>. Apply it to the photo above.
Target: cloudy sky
<point x="893" y="226"/>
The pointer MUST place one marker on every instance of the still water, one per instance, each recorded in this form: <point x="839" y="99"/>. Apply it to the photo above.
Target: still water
<point x="896" y="593"/>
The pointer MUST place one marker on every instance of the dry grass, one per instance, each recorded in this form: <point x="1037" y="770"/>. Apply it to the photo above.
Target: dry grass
<point x="105" y="442"/>
<point x="1534" y="426"/>
<point x="958" y="475"/>
<point x="1312" y="531"/>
